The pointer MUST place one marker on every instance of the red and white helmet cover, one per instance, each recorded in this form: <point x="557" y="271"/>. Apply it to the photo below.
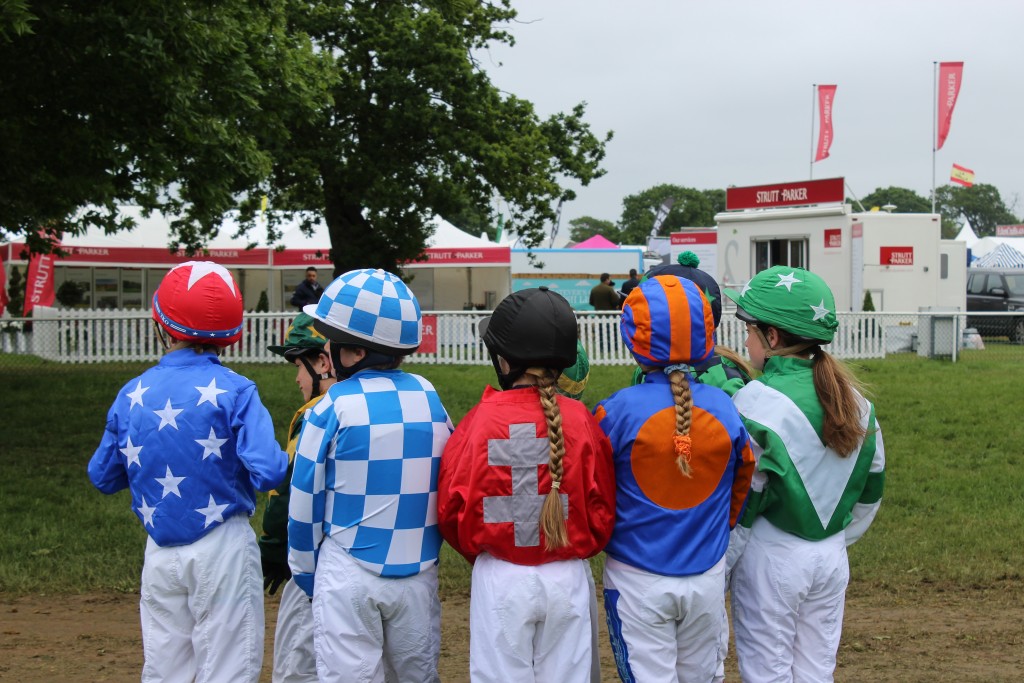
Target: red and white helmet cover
<point x="199" y="301"/>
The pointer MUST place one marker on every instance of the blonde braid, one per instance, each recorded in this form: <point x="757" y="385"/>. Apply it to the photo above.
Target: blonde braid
<point x="552" y="514"/>
<point x="684" y="404"/>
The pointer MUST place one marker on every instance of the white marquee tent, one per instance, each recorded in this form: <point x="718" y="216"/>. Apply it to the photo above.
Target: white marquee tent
<point x="123" y="270"/>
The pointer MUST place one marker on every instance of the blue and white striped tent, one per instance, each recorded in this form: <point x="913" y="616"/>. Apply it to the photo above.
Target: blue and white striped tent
<point x="1003" y="256"/>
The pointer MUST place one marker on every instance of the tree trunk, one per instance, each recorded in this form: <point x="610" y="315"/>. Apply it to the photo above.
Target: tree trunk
<point x="354" y="242"/>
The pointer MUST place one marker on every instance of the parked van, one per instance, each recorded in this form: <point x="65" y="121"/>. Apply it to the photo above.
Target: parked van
<point x="996" y="290"/>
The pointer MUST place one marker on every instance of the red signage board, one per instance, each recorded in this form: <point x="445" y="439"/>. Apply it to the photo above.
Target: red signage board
<point x="303" y="257"/>
<point x="429" y="343"/>
<point x="703" y="237"/>
<point x="154" y="256"/>
<point x="145" y="256"/>
<point x="896" y="256"/>
<point x="785" y="194"/>
<point x="438" y="256"/>
<point x="1010" y="230"/>
<point x="833" y="238"/>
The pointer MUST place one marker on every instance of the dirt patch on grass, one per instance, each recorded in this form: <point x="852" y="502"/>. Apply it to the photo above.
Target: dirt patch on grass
<point x="930" y="633"/>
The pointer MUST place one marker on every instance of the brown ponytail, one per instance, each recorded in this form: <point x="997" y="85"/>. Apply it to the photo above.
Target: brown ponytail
<point x="684" y="406"/>
<point x="552" y="514"/>
<point x="837" y="388"/>
<point x="736" y="359"/>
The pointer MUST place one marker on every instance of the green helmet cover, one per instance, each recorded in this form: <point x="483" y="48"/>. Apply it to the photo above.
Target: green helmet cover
<point x="301" y="337"/>
<point x="573" y="379"/>
<point x="792" y="299"/>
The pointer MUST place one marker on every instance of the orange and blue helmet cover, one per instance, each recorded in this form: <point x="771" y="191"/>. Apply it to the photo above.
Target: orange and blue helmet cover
<point x="667" y="320"/>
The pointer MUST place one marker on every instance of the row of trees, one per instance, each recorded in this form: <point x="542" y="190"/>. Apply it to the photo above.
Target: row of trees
<point x="980" y="204"/>
<point x="373" y="116"/>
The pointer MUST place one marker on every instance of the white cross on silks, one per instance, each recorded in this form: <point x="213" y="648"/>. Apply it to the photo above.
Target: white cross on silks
<point x="523" y="451"/>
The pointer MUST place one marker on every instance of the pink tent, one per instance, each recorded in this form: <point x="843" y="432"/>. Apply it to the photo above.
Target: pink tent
<point x="596" y="242"/>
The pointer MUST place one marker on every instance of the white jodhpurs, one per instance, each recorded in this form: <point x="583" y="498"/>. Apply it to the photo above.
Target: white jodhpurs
<point x="664" y="628"/>
<point x="530" y="623"/>
<point x="788" y="596"/>
<point x="202" y="608"/>
<point x="369" y="628"/>
<point x="294" y="656"/>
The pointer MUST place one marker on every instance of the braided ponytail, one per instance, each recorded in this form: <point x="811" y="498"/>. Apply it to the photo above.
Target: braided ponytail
<point x="552" y="513"/>
<point x="684" y="405"/>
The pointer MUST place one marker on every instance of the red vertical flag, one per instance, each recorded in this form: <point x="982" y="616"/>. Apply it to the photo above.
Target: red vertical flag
<point x="3" y="285"/>
<point x="950" y="75"/>
<point x="826" y="94"/>
<point x="39" y="281"/>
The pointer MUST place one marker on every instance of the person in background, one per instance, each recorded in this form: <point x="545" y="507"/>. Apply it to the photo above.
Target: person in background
<point x="192" y="442"/>
<point x="526" y="494"/>
<point x="629" y="284"/>
<point x="683" y="465"/>
<point x="294" y="655"/>
<point x="308" y="291"/>
<point x="363" y="539"/>
<point x="818" y="486"/>
<point x="603" y="296"/>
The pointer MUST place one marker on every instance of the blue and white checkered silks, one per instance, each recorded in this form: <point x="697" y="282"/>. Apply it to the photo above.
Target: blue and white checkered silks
<point x="365" y="472"/>
<point x="372" y="305"/>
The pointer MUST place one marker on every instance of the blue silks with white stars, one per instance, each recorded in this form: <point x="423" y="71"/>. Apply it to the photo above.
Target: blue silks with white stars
<point x="192" y="441"/>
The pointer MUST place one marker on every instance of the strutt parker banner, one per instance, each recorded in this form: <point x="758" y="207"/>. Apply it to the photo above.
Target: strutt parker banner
<point x="824" y="191"/>
<point x="39" y="281"/>
<point x="950" y="76"/>
<point x="826" y="95"/>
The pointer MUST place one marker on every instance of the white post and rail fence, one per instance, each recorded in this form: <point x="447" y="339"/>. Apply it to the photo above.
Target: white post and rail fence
<point x="451" y="337"/>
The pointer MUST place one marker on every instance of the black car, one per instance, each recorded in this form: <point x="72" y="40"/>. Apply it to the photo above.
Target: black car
<point x="996" y="291"/>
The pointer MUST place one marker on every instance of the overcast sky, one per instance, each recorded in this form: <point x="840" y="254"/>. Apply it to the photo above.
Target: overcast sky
<point x="717" y="93"/>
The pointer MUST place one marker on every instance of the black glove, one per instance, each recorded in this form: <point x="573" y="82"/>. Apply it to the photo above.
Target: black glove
<point x="274" y="574"/>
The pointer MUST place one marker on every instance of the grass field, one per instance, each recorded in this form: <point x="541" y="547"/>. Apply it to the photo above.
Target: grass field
<point x="953" y="436"/>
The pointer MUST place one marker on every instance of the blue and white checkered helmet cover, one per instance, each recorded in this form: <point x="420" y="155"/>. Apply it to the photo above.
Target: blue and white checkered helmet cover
<point x="371" y="308"/>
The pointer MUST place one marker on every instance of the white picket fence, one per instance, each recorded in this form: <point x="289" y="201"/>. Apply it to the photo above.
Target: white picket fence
<point x="94" y="336"/>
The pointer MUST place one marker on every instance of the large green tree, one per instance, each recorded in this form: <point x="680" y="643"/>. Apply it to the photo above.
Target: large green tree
<point x="905" y="201"/>
<point x="691" y="208"/>
<point x="980" y="204"/>
<point x="163" y="105"/>
<point x="587" y="226"/>
<point x="415" y="128"/>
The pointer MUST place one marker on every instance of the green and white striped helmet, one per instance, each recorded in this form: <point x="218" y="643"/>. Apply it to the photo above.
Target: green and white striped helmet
<point x="792" y="299"/>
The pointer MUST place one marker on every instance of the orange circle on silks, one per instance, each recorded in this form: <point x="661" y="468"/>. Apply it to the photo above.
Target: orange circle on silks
<point x="653" y="459"/>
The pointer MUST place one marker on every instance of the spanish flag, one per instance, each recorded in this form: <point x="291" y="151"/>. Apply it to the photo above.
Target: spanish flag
<point x="961" y="176"/>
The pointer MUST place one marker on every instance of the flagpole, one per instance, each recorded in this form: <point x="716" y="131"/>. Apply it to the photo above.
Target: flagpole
<point x="814" y="92"/>
<point x="935" y="119"/>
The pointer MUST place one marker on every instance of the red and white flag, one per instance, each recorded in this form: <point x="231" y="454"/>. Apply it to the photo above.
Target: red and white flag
<point x="39" y="281"/>
<point x="826" y="94"/>
<point x="961" y="176"/>
<point x="950" y="75"/>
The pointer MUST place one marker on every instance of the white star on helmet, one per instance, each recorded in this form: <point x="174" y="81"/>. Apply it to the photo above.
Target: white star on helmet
<point x="201" y="269"/>
<point x="820" y="311"/>
<point x="787" y="280"/>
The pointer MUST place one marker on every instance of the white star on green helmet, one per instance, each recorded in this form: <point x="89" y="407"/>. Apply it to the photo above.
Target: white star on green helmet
<point x="820" y="311"/>
<point x="787" y="280"/>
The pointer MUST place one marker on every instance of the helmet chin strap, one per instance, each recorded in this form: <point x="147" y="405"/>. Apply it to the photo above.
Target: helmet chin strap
<point x="791" y="350"/>
<point x="371" y="358"/>
<point x="161" y="334"/>
<point x="316" y="376"/>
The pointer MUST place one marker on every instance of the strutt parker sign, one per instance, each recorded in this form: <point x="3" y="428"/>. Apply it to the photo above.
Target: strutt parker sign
<point x="800" y="193"/>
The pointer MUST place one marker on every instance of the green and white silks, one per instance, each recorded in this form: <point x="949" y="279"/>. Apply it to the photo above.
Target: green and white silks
<point x="801" y="486"/>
